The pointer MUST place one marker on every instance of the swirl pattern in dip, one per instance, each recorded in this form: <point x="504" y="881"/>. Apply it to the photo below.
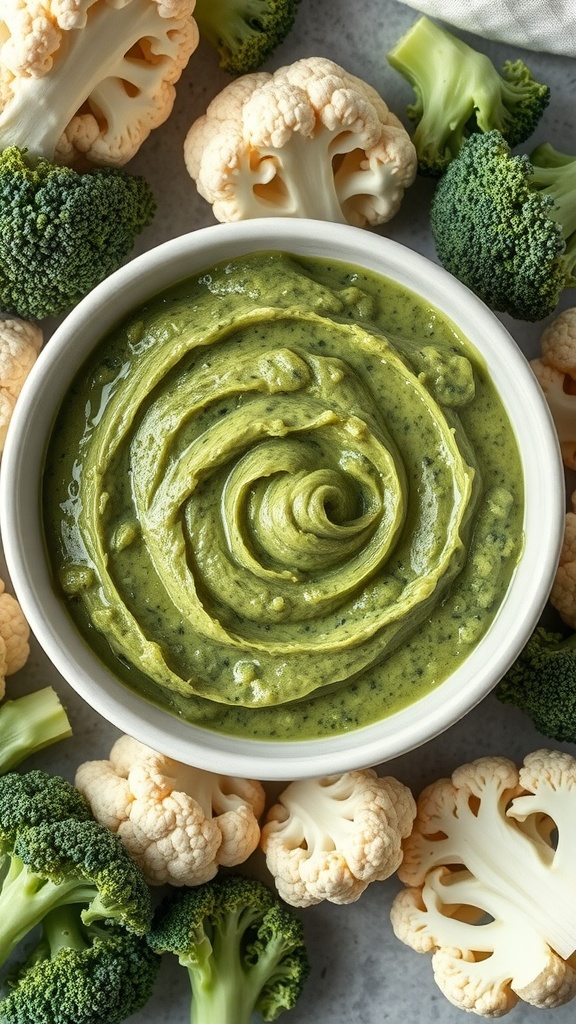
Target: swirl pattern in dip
<point x="283" y="493"/>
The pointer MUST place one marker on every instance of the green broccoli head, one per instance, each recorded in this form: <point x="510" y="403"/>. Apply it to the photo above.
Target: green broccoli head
<point x="71" y="861"/>
<point x="244" y="32"/>
<point x="243" y="949"/>
<point x="458" y="91"/>
<point x="495" y="225"/>
<point x="542" y="683"/>
<point x="80" y="975"/>
<point x="83" y="862"/>
<point x="62" y="232"/>
<point x="34" y="797"/>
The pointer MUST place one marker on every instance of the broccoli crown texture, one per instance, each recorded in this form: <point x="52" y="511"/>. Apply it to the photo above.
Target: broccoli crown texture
<point x="90" y="865"/>
<point x="459" y="91"/>
<point x="244" y="32"/>
<point x="494" y="223"/>
<point x="80" y="975"/>
<point x="30" y="723"/>
<point x="542" y="683"/>
<point x="244" y="950"/>
<point x="62" y="232"/>
<point x="34" y="797"/>
<point x="61" y="862"/>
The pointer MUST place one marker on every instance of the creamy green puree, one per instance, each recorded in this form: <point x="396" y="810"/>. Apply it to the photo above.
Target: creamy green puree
<point x="282" y="499"/>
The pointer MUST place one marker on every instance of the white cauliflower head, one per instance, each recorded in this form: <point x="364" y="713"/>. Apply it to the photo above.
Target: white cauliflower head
<point x="491" y="890"/>
<point x="309" y="140"/>
<point x="328" y="838"/>
<point x="178" y="823"/>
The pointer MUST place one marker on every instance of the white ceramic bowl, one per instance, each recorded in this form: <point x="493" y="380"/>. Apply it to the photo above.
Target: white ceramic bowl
<point x="22" y="527"/>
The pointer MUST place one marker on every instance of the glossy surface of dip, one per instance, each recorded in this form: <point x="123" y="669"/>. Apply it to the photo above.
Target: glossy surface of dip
<point x="283" y="499"/>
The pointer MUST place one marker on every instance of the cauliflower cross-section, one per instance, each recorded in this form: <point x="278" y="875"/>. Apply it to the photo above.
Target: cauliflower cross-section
<point x="491" y="884"/>
<point x="178" y="823"/>
<point x="328" y="838"/>
<point x="309" y="140"/>
<point x="88" y="80"/>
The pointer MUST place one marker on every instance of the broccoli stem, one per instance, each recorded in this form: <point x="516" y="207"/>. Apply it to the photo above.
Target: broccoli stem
<point x="29" y="724"/>
<point x="26" y="898"/>
<point x="244" y="32"/>
<point x="228" y="23"/>
<point x="445" y="71"/>
<point x="62" y="929"/>
<point x="224" y="990"/>
<point x="554" y="174"/>
<point x="42" y="107"/>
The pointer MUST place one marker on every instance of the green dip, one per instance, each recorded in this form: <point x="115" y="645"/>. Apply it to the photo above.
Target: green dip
<point x="283" y="499"/>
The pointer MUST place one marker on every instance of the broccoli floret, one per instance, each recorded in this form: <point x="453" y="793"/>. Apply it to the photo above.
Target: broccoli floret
<point x="63" y="872"/>
<point x="244" y="32"/>
<point x="80" y="975"/>
<point x="53" y="854"/>
<point x="30" y="723"/>
<point x="459" y="91"/>
<point x="542" y="683"/>
<point x="34" y="797"/>
<point x="506" y="225"/>
<point x="62" y="232"/>
<point x="243" y="949"/>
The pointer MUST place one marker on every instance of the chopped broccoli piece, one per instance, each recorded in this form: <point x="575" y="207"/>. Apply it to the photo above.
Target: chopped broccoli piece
<point x="542" y="683"/>
<point x="30" y="723"/>
<point x="62" y="232"/>
<point x="80" y="975"/>
<point x="459" y="91"/>
<point x="506" y="225"/>
<point x="244" y="32"/>
<point x="53" y="853"/>
<point x="243" y="949"/>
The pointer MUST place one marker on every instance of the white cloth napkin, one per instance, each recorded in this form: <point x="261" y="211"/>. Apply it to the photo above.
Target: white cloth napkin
<point x="545" y="25"/>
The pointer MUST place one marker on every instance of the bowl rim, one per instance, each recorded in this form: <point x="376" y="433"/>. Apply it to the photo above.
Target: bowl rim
<point x="20" y="512"/>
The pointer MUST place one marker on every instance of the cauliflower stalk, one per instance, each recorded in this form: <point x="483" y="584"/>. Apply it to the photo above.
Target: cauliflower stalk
<point x="309" y="140"/>
<point x="89" y="79"/>
<point x="556" y="373"/>
<point x="491" y="894"/>
<point x="328" y="838"/>
<point x="20" y="343"/>
<point x="178" y="823"/>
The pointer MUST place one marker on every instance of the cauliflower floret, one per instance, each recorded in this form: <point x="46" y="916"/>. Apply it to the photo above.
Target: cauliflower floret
<point x="556" y="374"/>
<point x="309" y="140"/>
<point x="14" y="637"/>
<point x="178" y="823"/>
<point x="490" y="890"/>
<point x="104" y="71"/>
<point x="328" y="838"/>
<point x="20" y="343"/>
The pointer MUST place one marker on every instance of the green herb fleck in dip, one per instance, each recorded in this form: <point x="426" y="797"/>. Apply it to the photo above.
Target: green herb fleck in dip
<point x="283" y="498"/>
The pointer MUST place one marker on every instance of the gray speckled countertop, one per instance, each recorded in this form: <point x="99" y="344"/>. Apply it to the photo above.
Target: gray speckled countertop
<point x="360" y="972"/>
